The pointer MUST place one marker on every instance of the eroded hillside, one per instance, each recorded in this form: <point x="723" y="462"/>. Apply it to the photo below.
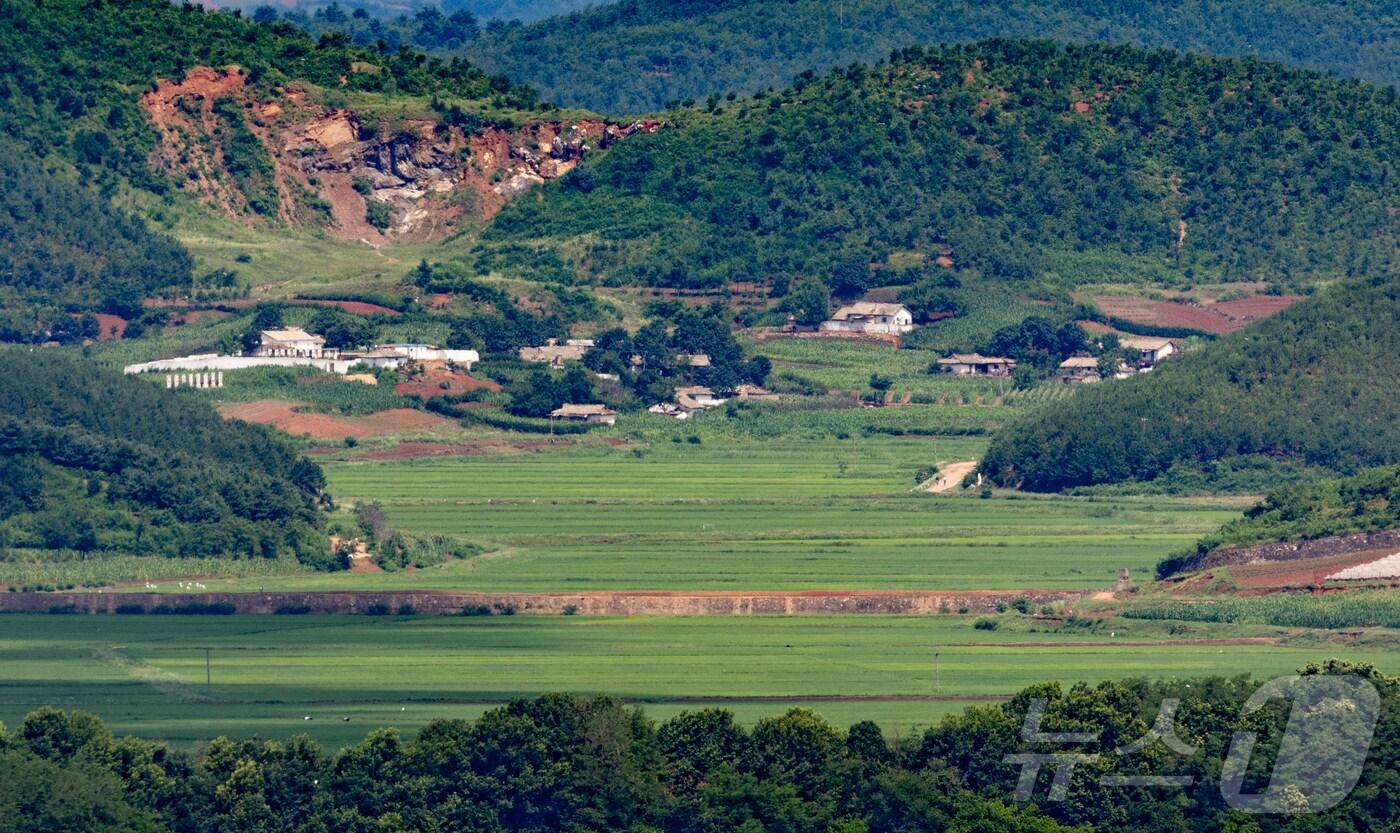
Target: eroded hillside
<point x="281" y="153"/>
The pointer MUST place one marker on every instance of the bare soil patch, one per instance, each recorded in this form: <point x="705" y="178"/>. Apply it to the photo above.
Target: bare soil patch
<point x="1256" y="307"/>
<point x="285" y="416"/>
<point x="1216" y="318"/>
<point x="443" y="382"/>
<point x="109" y="327"/>
<point x="1166" y="314"/>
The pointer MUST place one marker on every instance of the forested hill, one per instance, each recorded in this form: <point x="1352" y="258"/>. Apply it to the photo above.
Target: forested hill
<point x="1312" y="384"/>
<point x="95" y="465"/>
<point x="74" y="132"/>
<point x="68" y="250"/>
<point x="486" y="10"/>
<point x="996" y="154"/>
<point x="635" y="55"/>
<point x="74" y="71"/>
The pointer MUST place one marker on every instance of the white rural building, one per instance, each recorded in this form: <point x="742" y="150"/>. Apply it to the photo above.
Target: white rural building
<point x="870" y="317"/>
<point x="976" y="364"/>
<point x="213" y="361"/>
<point x="586" y="413"/>
<point x="429" y="353"/>
<point x="294" y="353"/>
<point x="1150" y="350"/>
<point x="697" y="398"/>
<point x="292" y="341"/>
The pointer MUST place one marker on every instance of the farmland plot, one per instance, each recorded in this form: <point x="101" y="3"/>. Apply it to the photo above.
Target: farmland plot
<point x="265" y="674"/>
<point x="778" y="515"/>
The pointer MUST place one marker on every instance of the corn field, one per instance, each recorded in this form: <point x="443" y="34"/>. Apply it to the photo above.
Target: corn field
<point x="1357" y="609"/>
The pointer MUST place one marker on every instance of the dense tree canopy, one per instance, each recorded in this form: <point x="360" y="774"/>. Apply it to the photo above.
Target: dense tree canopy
<point x="100" y="464"/>
<point x="1308" y="384"/>
<point x="634" y="56"/>
<point x="67" y="250"/>
<point x="997" y="153"/>
<point x="561" y="763"/>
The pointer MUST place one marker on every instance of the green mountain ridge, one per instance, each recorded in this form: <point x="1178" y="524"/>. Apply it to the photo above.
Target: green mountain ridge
<point x="79" y="139"/>
<point x="1017" y="160"/>
<point x="636" y="55"/>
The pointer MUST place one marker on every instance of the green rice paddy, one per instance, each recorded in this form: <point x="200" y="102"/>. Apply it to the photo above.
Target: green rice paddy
<point x="146" y="674"/>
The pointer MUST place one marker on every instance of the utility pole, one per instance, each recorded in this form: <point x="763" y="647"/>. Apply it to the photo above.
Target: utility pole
<point x="208" y="674"/>
<point x="937" y="675"/>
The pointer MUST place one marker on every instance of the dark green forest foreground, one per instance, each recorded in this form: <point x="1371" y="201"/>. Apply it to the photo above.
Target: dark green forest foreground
<point x="636" y="55"/>
<point x="1018" y="158"/>
<point x="561" y="763"/>
<point x="1309" y="385"/>
<point x="93" y="463"/>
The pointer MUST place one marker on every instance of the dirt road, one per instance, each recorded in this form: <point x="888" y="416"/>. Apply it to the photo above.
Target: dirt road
<point x="950" y="476"/>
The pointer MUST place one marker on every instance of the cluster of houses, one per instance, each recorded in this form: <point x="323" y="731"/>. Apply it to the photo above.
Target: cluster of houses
<point x="1144" y="352"/>
<point x="295" y="347"/>
<point x="687" y="400"/>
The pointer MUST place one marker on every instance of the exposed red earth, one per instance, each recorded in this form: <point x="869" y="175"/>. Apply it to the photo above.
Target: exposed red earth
<point x="285" y="416"/>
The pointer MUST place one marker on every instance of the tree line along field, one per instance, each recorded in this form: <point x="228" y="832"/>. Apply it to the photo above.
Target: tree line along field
<point x="146" y="675"/>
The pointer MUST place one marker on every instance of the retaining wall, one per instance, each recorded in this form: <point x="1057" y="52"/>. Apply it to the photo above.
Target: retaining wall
<point x="598" y="604"/>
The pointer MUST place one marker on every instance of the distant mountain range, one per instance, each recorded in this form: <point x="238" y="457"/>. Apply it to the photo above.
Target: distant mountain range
<point x="636" y="55"/>
<point x="524" y="10"/>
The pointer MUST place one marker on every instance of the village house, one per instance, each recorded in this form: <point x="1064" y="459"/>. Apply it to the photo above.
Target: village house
<point x="555" y="354"/>
<point x="697" y="398"/>
<point x="754" y="393"/>
<point x="292" y="341"/>
<point x="1149" y="350"/>
<point x="600" y="414"/>
<point x="693" y="360"/>
<point x="870" y="317"/>
<point x="669" y="409"/>
<point x="1079" y="369"/>
<point x="975" y="364"/>
<point x="295" y="347"/>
